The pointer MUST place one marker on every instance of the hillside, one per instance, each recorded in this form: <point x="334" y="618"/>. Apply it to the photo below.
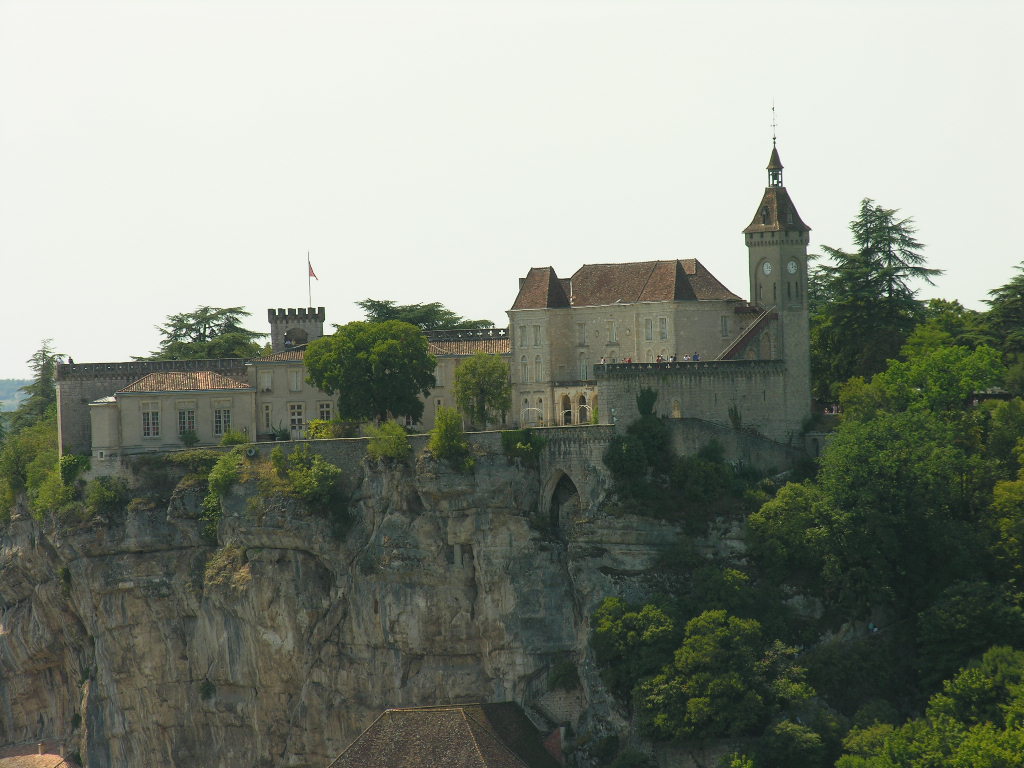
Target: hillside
<point x="9" y="394"/>
<point x="144" y="641"/>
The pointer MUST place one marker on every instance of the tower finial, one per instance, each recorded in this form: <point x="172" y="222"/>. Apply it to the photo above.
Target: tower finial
<point x="773" y="121"/>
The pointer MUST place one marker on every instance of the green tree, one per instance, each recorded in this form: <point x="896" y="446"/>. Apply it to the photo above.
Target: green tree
<point x="482" y="388"/>
<point x="41" y="393"/>
<point x="631" y="642"/>
<point x="1005" y="316"/>
<point x="726" y="680"/>
<point x="863" y="307"/>
<point x="447" y="440"/>
<point x="945" y="324"/>
<point x="430" y="317"/>
<point x="378" y="370"/>
<point x="973" y="723"/>
<point x="207" y="333"/>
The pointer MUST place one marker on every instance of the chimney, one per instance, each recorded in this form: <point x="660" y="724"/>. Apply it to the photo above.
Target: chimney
<point x="41" y="748"/>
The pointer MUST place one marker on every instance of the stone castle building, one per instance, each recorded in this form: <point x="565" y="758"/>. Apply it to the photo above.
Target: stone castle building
<point x="583" y="346"/>
<point x="579" y="350"/>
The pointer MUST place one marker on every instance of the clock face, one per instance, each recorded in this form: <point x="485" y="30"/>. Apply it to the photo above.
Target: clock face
<point x="792" y="267"/>
<point x="767" y="267"/>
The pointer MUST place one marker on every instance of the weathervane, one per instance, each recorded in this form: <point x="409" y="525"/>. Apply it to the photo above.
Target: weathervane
<point x="773" y="122"/>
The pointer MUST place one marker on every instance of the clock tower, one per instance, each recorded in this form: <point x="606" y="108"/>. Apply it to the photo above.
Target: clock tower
<point x="777" y="241"/>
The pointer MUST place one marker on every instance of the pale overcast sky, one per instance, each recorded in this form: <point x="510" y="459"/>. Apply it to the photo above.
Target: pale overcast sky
<point x="156" y="156"/>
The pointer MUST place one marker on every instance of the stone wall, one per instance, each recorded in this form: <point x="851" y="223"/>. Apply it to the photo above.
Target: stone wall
<point x="751" y="394"/>
<point x="739" y="446"/>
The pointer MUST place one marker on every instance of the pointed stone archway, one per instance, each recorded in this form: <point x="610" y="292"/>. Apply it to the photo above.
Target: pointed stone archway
<point x="561" y="500"/>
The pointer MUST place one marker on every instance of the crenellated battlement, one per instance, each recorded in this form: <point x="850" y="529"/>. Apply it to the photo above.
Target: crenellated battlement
<point x="293" y="327"/>
<point x="311" y="314"/>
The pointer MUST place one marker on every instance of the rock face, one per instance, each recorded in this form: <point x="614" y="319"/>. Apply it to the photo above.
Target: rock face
<point x="139" y="642"/>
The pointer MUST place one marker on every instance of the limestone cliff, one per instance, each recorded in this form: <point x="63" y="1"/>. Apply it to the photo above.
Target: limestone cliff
<point x="140" y="642"/>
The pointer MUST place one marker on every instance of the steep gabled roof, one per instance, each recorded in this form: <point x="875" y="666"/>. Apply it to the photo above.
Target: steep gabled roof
<point x="675" y="280"/>
<point x="466" y="736"/>
<point x="183" y="381"/>
<point x="776" y="213"/>
<point x="541" y="289"/>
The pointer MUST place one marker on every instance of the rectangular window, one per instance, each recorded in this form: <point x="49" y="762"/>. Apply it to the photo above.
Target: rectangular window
<point x="266" y="381"/>
<point x="649" y="329"/>
<point x="296" y="416"/>
<point x="583" y="368"/>
<point x="536" y="335"/>
<point x="295" y="380"/>
<point x="524" y="339"/>
<point x="151" y="419"/>
<point x="612" y="334"/>
<point x="581" y="334"/>
<point x="662" y="327"/>
<point x="725" y="325"/>
<point x="186" y="421"/>
<point x="268" y="414"/>
<point x="221" y="420"/>
<point x="325" y="409"/>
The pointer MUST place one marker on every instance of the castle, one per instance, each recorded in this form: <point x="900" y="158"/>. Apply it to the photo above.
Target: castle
<point x="579" y="350"/>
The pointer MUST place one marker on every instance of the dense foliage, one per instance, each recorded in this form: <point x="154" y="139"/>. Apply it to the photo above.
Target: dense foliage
<point x="207" y="333"/>
<point x="861" y="615"/>
<point x="430" y="317"/>
<point x="378" y="370"/>
<point x="448" y="441"/>
<point x="483" y="389"/>
<point x="863" y="304"/>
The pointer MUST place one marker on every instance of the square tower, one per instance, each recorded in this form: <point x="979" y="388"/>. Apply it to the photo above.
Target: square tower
<point x="290" y="328"/>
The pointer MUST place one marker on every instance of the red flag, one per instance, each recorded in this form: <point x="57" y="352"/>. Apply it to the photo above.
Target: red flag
<point x="311" y="272"/>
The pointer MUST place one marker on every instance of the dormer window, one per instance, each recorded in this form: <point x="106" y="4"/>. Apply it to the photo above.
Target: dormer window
<point x="765" y="215"/>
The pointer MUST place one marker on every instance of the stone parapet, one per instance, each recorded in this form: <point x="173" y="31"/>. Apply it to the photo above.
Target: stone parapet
<point x="466" y="334"/>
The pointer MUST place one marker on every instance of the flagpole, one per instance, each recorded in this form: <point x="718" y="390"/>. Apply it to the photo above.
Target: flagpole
<point x="309" y="281"/>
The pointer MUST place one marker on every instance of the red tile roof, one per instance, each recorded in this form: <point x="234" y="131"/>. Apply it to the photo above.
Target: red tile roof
<point x="465" y="347"/>
<point x="466" y="736"/>
<point x="183" y="381"/>
<point x="27" y="756"/>
<point x="602" y="284"/>
<point x="289" y="355"/>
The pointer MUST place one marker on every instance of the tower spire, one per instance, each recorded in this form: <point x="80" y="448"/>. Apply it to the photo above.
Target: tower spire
<point x="774" y="163"/>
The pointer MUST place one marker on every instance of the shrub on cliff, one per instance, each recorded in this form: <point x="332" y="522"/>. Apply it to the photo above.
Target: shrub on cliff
<point x="388" y="441"/>
<point x="313" y="479"/>
<point x="448" y="442"/>
<point x="523" y="444"/>
<point x="104" y="495"/>
<point x="234" y="437"/>
<point x="225" y="473"/>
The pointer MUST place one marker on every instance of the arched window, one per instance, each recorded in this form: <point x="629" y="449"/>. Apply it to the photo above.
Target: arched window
<point x="524" y="370"/>
<point x="583" y="367"/>
<point x="540" y="410"/>
<point x="538" y="374"/>
<point x="566" y="410"/>
<point x="583" y="410"/>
